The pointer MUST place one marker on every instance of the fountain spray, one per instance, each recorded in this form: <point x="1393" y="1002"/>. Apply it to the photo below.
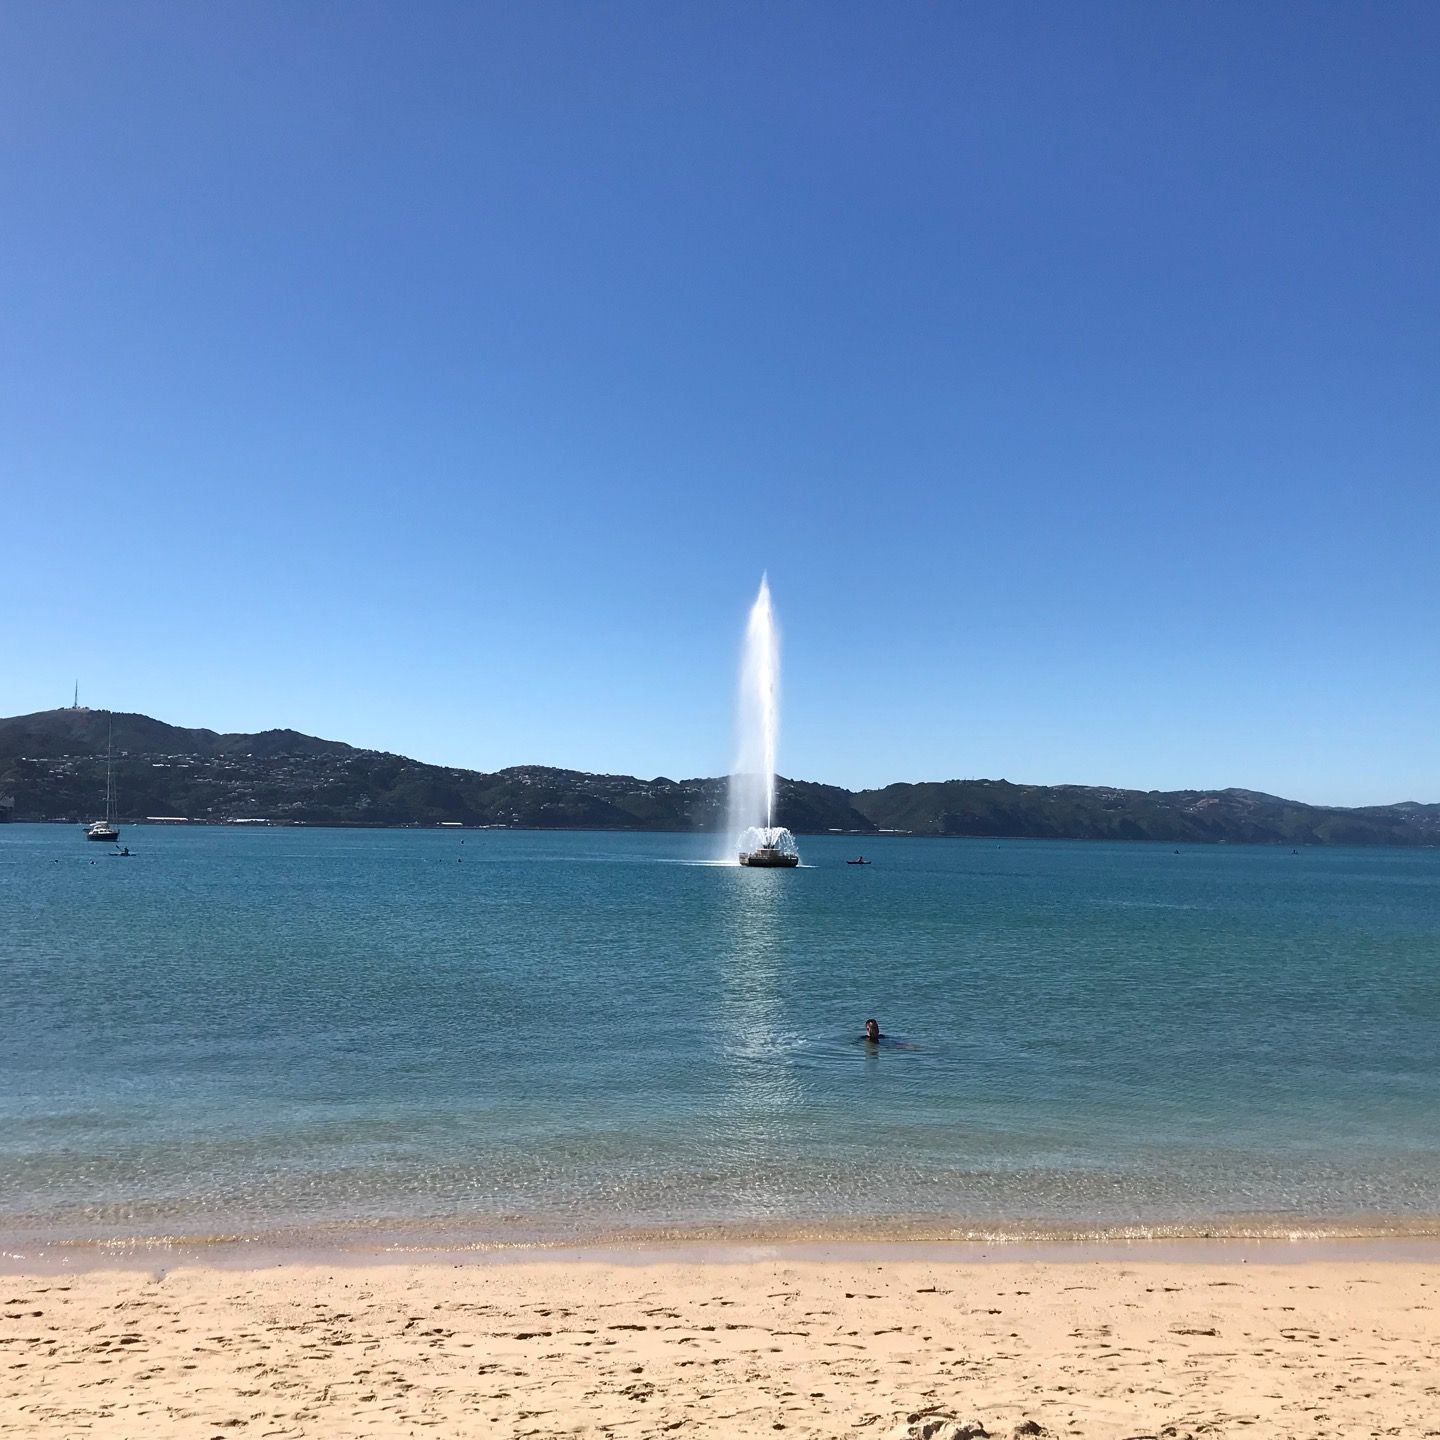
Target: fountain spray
<point x="757" y="728"/>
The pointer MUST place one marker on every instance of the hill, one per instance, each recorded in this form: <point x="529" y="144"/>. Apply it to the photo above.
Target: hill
<point x="52" y="768"/>
<point x="1083" y="812"/>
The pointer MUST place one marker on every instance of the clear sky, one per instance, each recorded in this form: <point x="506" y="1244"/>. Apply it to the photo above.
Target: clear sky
<point x="441" y="378"/>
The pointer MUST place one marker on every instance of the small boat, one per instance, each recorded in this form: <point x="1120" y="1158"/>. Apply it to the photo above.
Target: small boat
<point x="769" y="856"/>
<point x="860" y="860"/>
<point x="105" y="829"/>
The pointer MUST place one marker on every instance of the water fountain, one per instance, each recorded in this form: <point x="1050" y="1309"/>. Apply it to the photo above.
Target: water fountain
<point x="752" y="831"/>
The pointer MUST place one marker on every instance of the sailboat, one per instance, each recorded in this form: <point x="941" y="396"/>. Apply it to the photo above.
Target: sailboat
<point x="105" y="829"/>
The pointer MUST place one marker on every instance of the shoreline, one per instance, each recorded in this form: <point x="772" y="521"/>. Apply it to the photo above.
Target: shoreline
<point x="27" y="1255"/>
<point x="463" y="827"/>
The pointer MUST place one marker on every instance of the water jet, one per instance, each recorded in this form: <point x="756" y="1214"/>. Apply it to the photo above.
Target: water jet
<point x="752" y="832"/>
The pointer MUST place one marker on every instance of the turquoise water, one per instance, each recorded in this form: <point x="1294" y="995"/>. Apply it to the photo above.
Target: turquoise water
<point x="518" y="1036"/>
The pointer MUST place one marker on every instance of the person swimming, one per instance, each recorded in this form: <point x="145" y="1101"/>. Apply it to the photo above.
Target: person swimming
<point x="872" y="1031"/>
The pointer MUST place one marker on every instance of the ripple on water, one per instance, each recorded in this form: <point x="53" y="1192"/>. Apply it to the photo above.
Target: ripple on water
<point x="575" y="1034"/>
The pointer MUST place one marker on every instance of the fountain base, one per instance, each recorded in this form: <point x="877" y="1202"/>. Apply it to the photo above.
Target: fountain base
<point x="769" y="847"/>
<point x="767" y="855"/>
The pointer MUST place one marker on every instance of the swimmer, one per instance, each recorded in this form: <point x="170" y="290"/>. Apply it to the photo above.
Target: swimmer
<point x="872" y="1031"/>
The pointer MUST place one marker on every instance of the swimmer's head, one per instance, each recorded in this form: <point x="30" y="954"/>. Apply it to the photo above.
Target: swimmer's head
<point x="872" y="1029"/>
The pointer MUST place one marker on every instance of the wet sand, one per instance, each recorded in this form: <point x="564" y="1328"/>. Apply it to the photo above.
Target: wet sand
<point x="867" y="1345"/>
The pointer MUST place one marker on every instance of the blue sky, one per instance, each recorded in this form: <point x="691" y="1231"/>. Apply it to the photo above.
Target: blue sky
<point x="442" y="378"/>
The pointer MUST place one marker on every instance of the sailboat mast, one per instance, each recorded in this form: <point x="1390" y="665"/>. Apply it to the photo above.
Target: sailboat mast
<point x="109" y="773"/>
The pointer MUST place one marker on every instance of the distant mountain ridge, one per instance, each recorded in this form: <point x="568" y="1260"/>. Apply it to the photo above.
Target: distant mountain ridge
<point x="78" y="731"/>
<point x="52" y="768"/>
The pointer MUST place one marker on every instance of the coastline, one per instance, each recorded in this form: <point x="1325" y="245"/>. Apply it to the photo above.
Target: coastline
<point x="1411" y="1239"/>
<point x="814" y="1345"/>
<point x="454" y="827"/>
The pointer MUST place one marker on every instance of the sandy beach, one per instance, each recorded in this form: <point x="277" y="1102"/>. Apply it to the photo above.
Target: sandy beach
<point x="873" y="1347"/>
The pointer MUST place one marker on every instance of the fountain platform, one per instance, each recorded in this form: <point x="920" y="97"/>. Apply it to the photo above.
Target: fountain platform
<point x="769" y="856"/>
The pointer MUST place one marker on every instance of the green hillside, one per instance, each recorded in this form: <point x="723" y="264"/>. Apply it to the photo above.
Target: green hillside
<point x="52" y="767"/>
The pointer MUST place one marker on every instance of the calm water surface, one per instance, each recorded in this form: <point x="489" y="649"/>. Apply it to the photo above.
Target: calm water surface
<point x="530" y="1036"/>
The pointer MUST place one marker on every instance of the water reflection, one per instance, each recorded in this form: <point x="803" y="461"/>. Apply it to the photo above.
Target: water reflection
<point x="763" y="1089"/>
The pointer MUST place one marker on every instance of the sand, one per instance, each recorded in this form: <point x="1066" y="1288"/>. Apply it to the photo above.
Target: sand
<point x="855" y="1347"/>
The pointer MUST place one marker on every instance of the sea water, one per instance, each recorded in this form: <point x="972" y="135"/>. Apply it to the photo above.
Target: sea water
<point x="521" y="1036"/>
